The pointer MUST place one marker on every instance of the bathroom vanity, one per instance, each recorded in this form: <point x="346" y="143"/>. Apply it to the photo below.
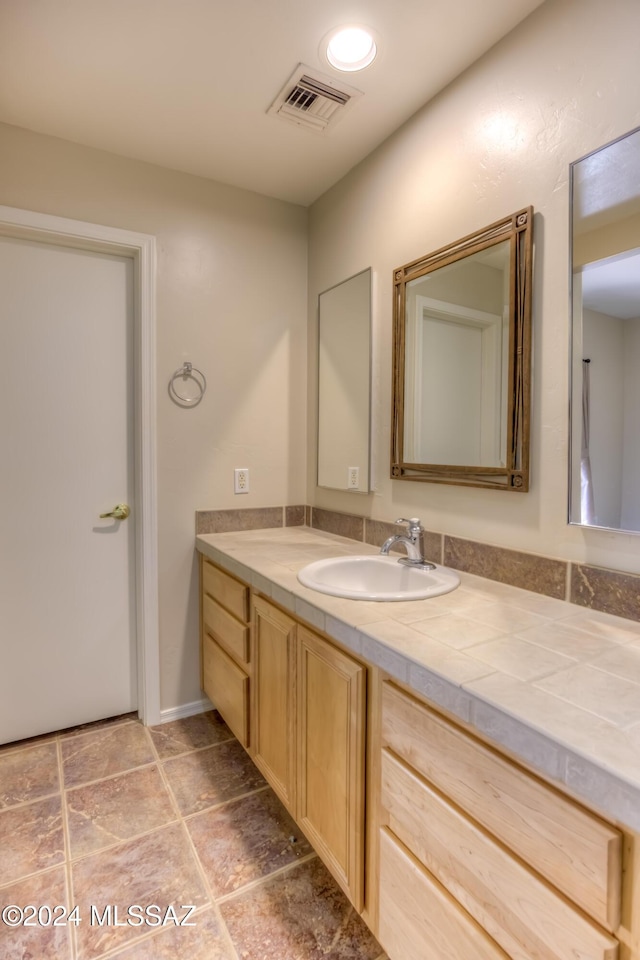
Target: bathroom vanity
<point x="457" y="825"/>
<point x="297" y="703"/>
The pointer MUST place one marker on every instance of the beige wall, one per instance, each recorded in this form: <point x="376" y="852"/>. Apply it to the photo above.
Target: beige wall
<point x="231" y="291"/>
<point x="499" y="138"/>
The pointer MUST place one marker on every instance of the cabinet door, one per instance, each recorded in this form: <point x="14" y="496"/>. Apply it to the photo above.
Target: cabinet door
<point x="273" y="738"/>
<point x="331" y="751"/>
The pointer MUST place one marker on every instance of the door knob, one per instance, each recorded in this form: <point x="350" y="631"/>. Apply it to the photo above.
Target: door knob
<point x="120" y="512"/>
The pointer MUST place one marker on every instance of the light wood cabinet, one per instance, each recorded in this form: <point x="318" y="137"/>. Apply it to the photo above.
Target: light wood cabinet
<point x="228" y="591"/>
<point x="521" y="912"/>
<point x="419" y="919"/>
<point x="331" y="753"/>
<point x="572" y="848"/>
<point x="226" y="685"/>
<point x="524" y="863"/>
<point x="307" y="702"/>
<point x="309" y="737"/>
<point x="467" y="852"/>
<point x="225" y="649"/>
<point x="273" y="744"/>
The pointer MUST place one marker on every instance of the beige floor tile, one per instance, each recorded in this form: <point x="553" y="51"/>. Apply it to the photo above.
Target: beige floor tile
<point x="110" y="811"/>
<point x="31" y="838"/>
<point x="44" y="941"/>
<point x="189" y="733"/>
<point x="211" y="776"/>
<point x="300" y="914"/>
<point x="107" y="751"/>
<point x="28" y="774"/>
<point x="127" y="847"/>
<point x="245" y="840"/>
<point x="158" y="869"/>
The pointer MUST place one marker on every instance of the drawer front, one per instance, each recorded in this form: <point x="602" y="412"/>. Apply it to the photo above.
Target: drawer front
<point x="573" y="849"/>
<point x="231" y="593"/>
<point x="229" y="632"/>
<point x="516" y="907"/>
<point x="227" y="686"/>
<point x="419" y="920"/>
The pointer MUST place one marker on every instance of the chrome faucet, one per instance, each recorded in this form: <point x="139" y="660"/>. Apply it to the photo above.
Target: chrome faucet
<point x="413" y="542"/>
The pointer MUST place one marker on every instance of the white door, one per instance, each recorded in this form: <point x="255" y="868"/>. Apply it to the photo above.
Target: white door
<point x="67" y="597"/>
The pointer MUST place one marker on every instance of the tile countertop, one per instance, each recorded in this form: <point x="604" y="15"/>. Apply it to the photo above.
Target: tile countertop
<point x="555" y="684"/>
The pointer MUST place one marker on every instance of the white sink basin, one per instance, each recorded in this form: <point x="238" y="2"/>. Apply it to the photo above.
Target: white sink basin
<point x="376" y="577"/>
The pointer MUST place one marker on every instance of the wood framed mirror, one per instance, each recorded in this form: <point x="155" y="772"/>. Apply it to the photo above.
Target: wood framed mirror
<point x="462" y="360"/>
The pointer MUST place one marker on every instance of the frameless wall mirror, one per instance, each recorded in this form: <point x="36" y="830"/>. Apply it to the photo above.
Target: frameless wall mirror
<point x="604" y="487"/>
<point x="462" y="360"/>
<point x="344" y="385"/>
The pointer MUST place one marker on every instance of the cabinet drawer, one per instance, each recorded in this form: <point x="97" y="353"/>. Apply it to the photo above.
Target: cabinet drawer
<point x="231" y="593"/>
<point x="572" y="848"/>
<point x="229" y="632"/>
<point x="419" y="919"/>
<point x="227" y="686"/>
<point x="518" y="909"/>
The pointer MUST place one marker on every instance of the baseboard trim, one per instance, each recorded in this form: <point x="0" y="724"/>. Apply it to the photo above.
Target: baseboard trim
<point x="186" y="710"/>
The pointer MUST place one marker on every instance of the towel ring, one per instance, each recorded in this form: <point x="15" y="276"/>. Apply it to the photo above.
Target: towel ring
<point x="187" y="372"/>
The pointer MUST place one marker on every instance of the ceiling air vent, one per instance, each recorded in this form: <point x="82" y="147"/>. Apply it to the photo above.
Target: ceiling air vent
<point x="312" y="100"/>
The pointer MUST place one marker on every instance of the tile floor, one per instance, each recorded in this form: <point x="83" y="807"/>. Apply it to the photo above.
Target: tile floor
<point x="114" y="814"/>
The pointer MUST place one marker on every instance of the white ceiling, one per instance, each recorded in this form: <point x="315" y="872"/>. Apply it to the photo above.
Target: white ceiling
<point x="612" y="286"/>
<point x="186" y="83"/>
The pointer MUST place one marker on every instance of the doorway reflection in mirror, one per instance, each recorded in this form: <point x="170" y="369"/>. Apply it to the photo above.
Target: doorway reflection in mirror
<point x="456" y="370"/>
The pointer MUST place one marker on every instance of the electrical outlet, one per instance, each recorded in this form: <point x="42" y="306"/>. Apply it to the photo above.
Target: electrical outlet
<point x="241" y="480"/>
<point x="353" y="479"/>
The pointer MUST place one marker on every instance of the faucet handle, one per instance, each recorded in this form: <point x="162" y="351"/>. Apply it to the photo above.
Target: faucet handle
<point x="414" y="524"/>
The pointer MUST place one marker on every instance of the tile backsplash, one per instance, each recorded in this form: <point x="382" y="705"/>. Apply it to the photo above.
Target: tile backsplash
<point x="526" y="570"/>
<point x="252" y="518"/>
<point x="597" y="588"/>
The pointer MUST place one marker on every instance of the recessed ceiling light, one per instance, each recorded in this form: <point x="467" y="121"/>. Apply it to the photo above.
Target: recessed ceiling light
<point x="350" y="48"/>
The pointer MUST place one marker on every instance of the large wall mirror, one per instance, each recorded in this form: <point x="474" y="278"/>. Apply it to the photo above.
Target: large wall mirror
<point x="344" y="385"/>
<point x="462" y="360"/>
<point x="605" y="356"/>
